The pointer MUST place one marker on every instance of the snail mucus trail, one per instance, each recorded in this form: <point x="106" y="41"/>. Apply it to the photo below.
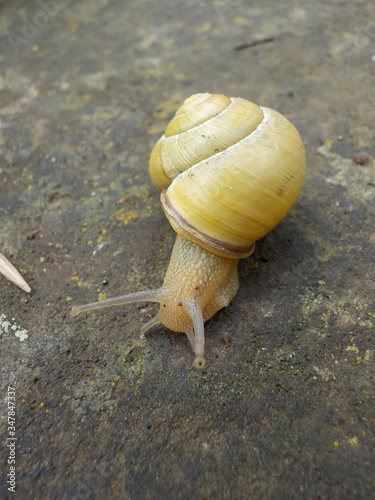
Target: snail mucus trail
<point x="228" y="171"/>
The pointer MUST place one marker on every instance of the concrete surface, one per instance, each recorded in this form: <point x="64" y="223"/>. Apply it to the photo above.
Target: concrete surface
<point x="284" y="410"/>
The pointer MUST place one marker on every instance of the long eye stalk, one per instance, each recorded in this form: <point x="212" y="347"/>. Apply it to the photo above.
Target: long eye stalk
<point x="146" y="295"/>
<point x="196" y="338"/>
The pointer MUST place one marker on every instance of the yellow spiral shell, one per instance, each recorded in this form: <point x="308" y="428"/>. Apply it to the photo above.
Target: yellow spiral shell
<point x="229" y="172"/>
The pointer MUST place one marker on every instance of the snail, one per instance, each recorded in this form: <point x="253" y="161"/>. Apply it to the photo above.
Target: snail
<point x="10" y="272"/>
<point x="228" y="171"/>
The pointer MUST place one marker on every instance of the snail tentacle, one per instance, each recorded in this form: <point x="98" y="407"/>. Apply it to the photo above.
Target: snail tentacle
<point x="153" y="322"/>
<point x="191" y="337"/>
<point x="197" y="338"/>
<point x="144" y="295"/>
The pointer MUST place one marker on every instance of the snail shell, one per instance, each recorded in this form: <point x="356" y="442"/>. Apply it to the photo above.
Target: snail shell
<point x="231" y="170"/>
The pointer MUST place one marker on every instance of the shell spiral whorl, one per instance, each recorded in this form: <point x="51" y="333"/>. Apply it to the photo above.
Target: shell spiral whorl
<point x="229" y="171"/>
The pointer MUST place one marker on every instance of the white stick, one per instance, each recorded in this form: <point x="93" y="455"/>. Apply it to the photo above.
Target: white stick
<point x="11" y="273"/>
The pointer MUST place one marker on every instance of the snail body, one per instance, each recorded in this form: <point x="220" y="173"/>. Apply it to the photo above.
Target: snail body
<point x="228" y="171"/>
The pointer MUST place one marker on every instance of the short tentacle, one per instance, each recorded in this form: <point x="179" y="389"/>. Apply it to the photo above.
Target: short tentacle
<point x="154" y="321"/>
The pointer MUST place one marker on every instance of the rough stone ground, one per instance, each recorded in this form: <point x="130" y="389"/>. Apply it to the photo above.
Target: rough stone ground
<point x="285" y="409"/>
